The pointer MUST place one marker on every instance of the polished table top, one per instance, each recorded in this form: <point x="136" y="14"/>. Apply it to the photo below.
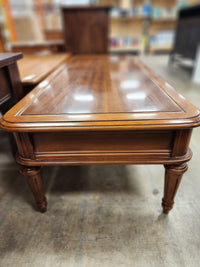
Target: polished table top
<point x="101" y="92"/>
<point x="34" y="68"/>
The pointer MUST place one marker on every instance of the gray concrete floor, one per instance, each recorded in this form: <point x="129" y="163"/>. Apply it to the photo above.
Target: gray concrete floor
<point x="103" y="215"/>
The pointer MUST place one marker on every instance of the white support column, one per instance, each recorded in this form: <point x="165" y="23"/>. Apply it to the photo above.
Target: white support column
<point x="196" y="72"/>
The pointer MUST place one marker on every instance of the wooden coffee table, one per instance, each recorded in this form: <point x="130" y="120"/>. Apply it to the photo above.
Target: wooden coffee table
<point x="103" y="110"/>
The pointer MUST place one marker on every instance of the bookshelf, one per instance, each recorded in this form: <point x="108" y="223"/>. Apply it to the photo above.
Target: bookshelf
<point x="162" y="25"/>
<point x="151" y="25"/>
<point x="148" y="26"/>
<point x="127" y="25"/>
<point x="135" y="25"/>
<point x="7" y="27"/>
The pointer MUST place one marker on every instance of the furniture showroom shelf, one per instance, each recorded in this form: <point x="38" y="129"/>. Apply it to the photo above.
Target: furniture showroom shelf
<point x="160" y="48"/>
<point x="135" y="48"/>
<point x="125" y="18"/>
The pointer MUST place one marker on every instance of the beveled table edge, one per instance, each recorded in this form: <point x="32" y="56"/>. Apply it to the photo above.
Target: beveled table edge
<point x="190" y="117"/>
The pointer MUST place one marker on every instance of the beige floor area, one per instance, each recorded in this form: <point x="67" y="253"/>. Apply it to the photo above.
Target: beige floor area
<point x="104" y="216"/>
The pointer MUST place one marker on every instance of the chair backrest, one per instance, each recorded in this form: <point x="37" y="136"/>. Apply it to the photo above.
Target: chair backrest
<point x="86" y="29"/>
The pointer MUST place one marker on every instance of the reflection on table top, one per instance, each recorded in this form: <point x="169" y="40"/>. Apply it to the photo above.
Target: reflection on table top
<point x="103" y="91"/>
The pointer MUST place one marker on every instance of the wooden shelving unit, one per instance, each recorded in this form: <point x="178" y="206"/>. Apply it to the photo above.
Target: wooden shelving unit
<point x="126" y="28"/>
<point x="143" y="26"/>
<point x="131" y="49"/>
<point x="160" y="48"/>
<point x="127" y="18"/>
<point x="133" y="31"/>
<point x="163" y="20"/>
<point x="7" y="27"/>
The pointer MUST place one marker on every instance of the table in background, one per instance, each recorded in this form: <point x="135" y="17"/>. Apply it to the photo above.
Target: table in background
<point x="54" y="46"/>
<point x="11" y="89"/>
<point x="10" y="86"/>
<point x="103" y="110"/>
<point x="34" y="68"/>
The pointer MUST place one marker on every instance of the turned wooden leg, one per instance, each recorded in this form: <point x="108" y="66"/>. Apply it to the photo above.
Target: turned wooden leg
<point x="34" y="179"/>
<point x="173" y="175"/>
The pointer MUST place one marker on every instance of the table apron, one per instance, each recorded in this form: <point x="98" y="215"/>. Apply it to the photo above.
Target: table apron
<point x="98" y="147"/>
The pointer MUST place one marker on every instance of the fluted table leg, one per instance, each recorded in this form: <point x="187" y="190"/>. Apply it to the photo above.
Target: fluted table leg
<point x="34" y="179"/>
<point x="173" y="176"/>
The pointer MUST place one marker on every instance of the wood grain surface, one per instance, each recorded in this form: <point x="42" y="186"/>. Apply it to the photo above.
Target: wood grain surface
<point x="34" y="68"/>
<point x="86" y="29"/>
<point x="102" y="92"/>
